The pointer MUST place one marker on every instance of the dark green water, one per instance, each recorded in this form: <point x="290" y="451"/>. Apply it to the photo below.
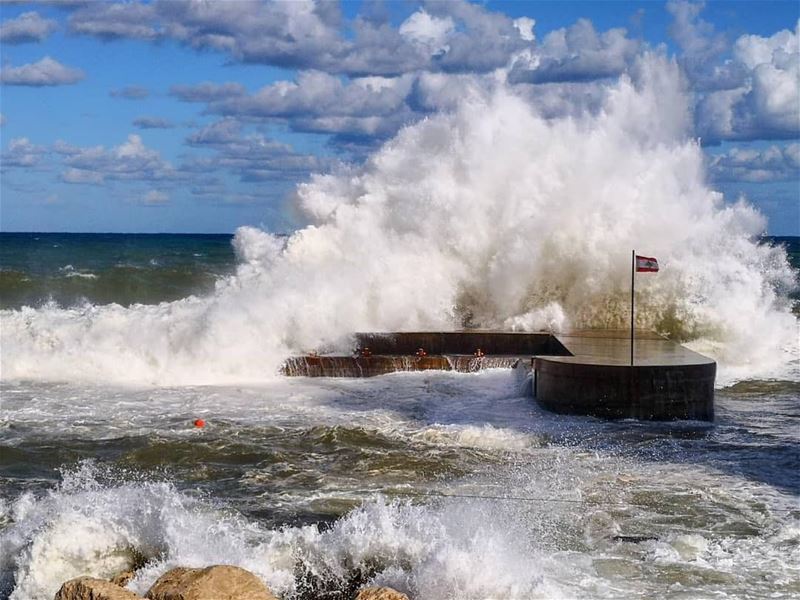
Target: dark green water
<point x="453" y="486"/>
<point x="73" y="268"/>
<point x="103" y="268"/>
<point x="492" y="496"/>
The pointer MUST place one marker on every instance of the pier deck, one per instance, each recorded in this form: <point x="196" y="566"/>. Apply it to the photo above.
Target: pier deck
<point x="613" y="347"/>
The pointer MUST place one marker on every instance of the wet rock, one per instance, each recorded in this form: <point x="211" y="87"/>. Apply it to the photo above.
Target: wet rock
<point x="380" y="593"/>
<point x="89" y="588"/>
<point x="321" y="583"/>
<point x="220" y="582"/>
<point x="122" y="579"/>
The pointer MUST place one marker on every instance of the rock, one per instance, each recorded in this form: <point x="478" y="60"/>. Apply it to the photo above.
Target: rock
<point x="220" y="582"/>
<point x="123" y="579"/>
<point x="380" y="593"/>
<point x="89" y="588"/>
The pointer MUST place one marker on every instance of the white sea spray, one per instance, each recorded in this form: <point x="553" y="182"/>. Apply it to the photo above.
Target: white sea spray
<point x="487" y="216"/>
<point x="85" y="527"/>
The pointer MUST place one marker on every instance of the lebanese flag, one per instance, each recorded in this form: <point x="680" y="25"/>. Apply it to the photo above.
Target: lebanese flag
<point x="645" y="264"/>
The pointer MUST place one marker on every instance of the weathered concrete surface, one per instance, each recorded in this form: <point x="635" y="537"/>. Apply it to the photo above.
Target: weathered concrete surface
<point x="361" y="366"/>
<point x="89" y="588"/>
<point x="667" y="381"/>
<point x="491" y="343"/>
<point x="380" y="364"/>
<point x="659" y="393"/>
<point x="219" y="582"/>
<point x="613" y="347"/>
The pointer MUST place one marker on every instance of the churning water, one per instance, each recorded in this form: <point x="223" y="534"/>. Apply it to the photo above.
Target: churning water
<point x="441" y="484"/>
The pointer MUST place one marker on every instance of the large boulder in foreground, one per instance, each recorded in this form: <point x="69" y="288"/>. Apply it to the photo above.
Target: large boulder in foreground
<point x="89" y="588"/>
<point x="380" y="593"/>
<point x="122" y="579"/>
<point x="220" y="582"/>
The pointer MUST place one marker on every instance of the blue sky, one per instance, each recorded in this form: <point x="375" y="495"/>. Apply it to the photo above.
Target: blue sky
<point x="174" y="115"/>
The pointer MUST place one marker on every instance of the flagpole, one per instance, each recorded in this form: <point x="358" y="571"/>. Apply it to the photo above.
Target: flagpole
<point x="633" y="271"/>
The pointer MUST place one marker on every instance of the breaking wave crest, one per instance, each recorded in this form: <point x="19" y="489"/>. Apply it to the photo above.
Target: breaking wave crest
<point x="153" y="527"/>
<point x="488" y="216"/>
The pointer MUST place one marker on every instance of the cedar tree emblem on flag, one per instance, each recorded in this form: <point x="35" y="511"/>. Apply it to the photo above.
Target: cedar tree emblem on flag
<point x="645" y="264"/>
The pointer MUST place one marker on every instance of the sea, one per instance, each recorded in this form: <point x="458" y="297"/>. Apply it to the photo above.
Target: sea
<point x="443" y="485"/>
<point x="446" y="486"/>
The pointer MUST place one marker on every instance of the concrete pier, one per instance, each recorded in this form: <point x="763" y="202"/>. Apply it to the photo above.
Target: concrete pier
<point x="667" y="381"/>
<point x="584" y="372"/>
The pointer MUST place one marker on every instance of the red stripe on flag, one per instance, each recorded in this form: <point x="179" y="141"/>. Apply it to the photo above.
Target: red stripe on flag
<point x="646" y="264"/>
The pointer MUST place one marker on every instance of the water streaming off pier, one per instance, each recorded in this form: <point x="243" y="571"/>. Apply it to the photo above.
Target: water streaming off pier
<point x="358" y="366"/>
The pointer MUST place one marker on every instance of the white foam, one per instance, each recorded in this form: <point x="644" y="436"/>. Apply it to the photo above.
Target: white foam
<point x="69" y="271"/>
<point x="490" y="215"/>
<point x="88" y="528"/>
<point x="558" y="543"/>
<point x="484" y="437"/>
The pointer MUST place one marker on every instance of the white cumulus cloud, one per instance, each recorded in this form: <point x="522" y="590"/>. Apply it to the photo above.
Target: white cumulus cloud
<point x="27" y="27"/>
<point x="155" y="198"/>
<point x="766" y="103"/>
<point x="22" y="153"/>
<point x="428" y="31"/>
<point x="45" y="72"/>
<point x="525" y="27"/>
<point x="753" y="165"/>
<point x="131" y="160"/>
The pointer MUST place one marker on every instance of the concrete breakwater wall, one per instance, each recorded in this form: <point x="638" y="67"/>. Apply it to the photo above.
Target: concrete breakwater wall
<point x="658" y="393"/>
<point x="491" y="343"/>
<point x="586" y="372"/>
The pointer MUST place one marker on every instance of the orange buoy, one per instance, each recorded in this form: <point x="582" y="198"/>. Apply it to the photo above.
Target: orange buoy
<point x="199" y="423"/>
